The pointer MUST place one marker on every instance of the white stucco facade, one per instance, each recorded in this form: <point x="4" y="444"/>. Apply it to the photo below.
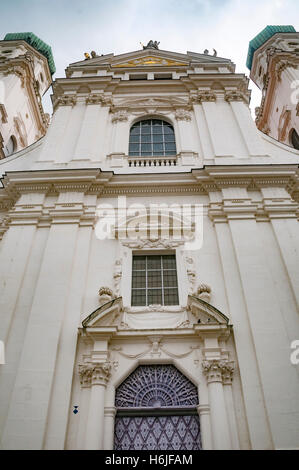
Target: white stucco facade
<point x="67" y="347"/>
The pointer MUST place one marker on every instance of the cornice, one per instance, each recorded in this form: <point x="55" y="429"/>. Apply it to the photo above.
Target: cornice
<point x="105" y="183"/>
<point x="109" y="85"/>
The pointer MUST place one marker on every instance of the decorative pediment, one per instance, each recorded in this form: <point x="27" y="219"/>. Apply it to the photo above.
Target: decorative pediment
<point x="205" y="313"/>
<point x="150" y="61"/>
<point x="108" y="314"/>
<point x="152" y="102"/>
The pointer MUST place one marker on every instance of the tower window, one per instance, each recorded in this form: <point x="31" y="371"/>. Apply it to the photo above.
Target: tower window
<point x="163" y="76"/>
<point x="154" y="280"/>
<point x="11" y="146"/>
<point x="295" y="139"/>
<point x="138" y="77"/>
<point x="152" y="137"/>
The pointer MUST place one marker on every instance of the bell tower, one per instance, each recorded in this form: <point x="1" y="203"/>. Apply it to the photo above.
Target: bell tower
<point x="273" y="61"/>
<point x="26" y="69"/>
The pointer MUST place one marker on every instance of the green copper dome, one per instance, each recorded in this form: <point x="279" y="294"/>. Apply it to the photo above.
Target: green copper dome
<point x="37" y="44"/>
<point x="262" y="37"/>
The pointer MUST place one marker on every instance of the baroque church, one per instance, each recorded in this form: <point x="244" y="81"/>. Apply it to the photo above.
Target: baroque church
<point x="127" y="325"/>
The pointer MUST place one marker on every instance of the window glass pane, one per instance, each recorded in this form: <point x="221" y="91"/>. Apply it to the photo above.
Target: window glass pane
<point x="169" y="138"/>
<point x="154" y="262"/>
<point x="138" y="279"/>
<point x="146" y="138"/>
<point x="138" y="262"/>
<point x="171" y="297"/>
<point x="154" y="279"/>
<point x="157" y="130"/>
<point x="135" y="129"/>
<point x="146" y="147"/>
<point x="170" y="152"/>
<point x="169" y="278"/>
<point x="157" y="138"/>
<point x="154" y="296"/>
<point x="138" y="297"/>
<point x="158" y="147"/>
<point x="145" y="128"/>
<point x="169" y="146"/>
<point x="133" y="147"/>
<point x="168" y="129"/>
<point x="169" y="262"/>
<point x="134" y="138"/>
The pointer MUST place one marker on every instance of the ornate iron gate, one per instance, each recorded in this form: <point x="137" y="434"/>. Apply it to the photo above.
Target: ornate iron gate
<point x="156" y="410"/>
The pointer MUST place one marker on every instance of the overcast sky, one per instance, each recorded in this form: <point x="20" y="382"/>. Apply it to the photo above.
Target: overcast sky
<point x="72" y="27"/>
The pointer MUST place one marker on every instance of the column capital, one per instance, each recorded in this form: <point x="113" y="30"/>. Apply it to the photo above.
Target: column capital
<point x="228" y="369"/>
<point x="85" y="373"/>
<point x="94" y="374"/>
<point x="101" y="373"/>
<point x="218" y="370"/>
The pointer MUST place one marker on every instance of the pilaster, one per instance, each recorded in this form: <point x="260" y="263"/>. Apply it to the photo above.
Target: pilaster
<point x="29" y="403"/>
<point x="213" y="370"/>
<point x="100" y="374"/>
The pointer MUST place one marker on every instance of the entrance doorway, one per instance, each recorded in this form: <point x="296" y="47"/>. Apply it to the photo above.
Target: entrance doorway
<point x="156" y="410"/>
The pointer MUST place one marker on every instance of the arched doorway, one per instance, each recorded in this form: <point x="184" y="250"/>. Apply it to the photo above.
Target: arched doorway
<point x="156" y="410"/>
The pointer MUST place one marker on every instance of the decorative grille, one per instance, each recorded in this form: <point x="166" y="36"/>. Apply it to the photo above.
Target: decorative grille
<point x="157" y="433"/>
<point x="156" y="386"/>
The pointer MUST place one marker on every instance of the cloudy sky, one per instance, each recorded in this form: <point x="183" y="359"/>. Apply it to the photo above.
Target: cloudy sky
<point x="72" y="27"/>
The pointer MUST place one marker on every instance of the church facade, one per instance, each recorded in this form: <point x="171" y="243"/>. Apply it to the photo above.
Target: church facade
<point x="149" y="264"/>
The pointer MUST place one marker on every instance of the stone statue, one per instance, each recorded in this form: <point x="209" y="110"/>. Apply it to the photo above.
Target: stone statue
<point x="152" y="45"/>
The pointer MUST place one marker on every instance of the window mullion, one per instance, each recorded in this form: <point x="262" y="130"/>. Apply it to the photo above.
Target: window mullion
<point x="163" y="139"/>
<point x="146" y="296"/>
<point x="162" y="283"/>
<point x="152" y="139"/>
<point x="140" y="133"/>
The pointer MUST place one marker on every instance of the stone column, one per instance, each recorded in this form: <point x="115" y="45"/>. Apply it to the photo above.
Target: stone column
<point x="91" y="137"/>
<point x="120" y="133"/>
<point x="248" y="129"/>
<point x="109" y="421"/>
<point x="54" y="138"/>
<point x="186" y="136"/>
<point x="203" y="131"/>
<point x="100" y="374"/>
<point x="85" y="373"/>
<point x="282" y="212"/>
<point x="227" y="377"/>
<point x="33" y="386"/>
<point x="205" y="427"/>
<point x="219" y="420"/>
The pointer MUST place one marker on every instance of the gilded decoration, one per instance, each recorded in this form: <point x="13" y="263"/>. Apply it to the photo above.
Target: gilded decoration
<point x="149" y="61"/>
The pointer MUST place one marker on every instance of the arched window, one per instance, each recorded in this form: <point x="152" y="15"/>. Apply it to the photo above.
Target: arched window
<point x="295" y="139"/>
<point x="11" y="146"/>
<point x="152" y="137"/>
